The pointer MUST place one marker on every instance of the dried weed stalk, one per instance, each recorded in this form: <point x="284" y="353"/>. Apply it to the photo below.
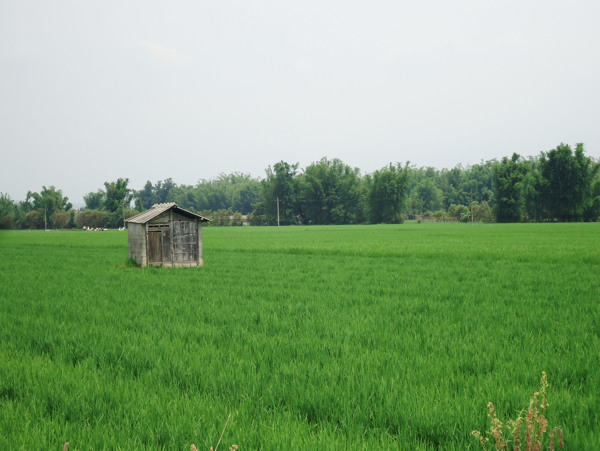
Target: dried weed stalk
<point x="231" y="448"/>
<point x="532" y="428"/>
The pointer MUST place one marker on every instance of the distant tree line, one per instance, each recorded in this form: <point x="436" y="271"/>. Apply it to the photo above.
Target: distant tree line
<point x="559" y="185"/>
<point x="50" y="209"/>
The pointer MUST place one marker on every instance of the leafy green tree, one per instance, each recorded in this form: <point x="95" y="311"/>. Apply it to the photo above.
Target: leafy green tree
<point x="7" y="206"/>
<point x="422" y="183"/>
<point x="237" y="219"/>
<point x="531" y="205"/>
<point x="592" y="211"/>
<point x="8" y="210"/>
<point x="482" y="212"/>
<point x="279" y="188"/>
<point x="565" y="188"/>
<point x="387" y="194"/>
<point x="216" y="196"/>
<point x="238" y="192"/>
<point x="46" y="203"/>
<point x="247" y="195"/>
<point x="428" y="196"/>
<point x="222" y="218"/>
<point x="92" y="218"/>
<point x="144" y="198"/>
<point x="440" y="215"/>
<point x="161" y="192"/>
<point x="61" y="219"/>
<point x="34" y="220"/>
<point x="95" y="201"/>
<point x="182" y="195"/>
<point x="117" y="195"/>
<point x="118" y="198"/>
<point x="478" y="183"/>
<point x="255" y="218"/>
<point x="72" y="214"/>
<point x="329" y="192"/>
<point x="507" y="177"/>
<point x="461" y="185"/>
<point x="451" y="184"/>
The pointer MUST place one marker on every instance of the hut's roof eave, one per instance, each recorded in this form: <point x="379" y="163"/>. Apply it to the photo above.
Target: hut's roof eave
<point x="158" y="209"/>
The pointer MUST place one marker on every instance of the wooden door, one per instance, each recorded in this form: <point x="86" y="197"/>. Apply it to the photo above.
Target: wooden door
<point x="155" y="247"/>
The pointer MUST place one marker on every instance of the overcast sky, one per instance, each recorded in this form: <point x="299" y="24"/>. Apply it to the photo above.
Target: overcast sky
<point x="95" y="90"/>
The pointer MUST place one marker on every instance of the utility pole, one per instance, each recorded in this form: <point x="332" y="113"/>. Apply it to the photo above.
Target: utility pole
<point x="278" y="212"/>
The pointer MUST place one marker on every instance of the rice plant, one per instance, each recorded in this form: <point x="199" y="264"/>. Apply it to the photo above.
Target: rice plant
<point x="311" y="337"/>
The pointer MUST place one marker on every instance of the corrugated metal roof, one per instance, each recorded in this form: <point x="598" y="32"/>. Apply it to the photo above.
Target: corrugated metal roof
<point x="157" y="209"/>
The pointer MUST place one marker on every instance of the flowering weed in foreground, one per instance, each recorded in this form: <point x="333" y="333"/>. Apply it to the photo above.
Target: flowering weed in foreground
<point x="531" y="429"/>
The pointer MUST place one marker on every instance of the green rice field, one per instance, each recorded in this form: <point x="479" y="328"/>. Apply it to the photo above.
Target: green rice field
<point x="333" y="337"/>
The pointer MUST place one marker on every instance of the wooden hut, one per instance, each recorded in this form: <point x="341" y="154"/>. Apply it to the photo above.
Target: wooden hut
<point x="166" y="235"/>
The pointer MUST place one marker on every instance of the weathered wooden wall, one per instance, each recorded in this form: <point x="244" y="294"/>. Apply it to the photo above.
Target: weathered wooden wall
<point x="137" y="243"/>
<point x="185" y="242"/>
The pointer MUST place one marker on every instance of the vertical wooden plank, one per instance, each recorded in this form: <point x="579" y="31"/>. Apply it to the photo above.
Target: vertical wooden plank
<point x="167" y="246"/>
<point x="172" y="244"/>
<point x="194" y="242"/>
<point x="177" y="237"/>
<point x="200" y="246"/>
<point x="146" y="247"/>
